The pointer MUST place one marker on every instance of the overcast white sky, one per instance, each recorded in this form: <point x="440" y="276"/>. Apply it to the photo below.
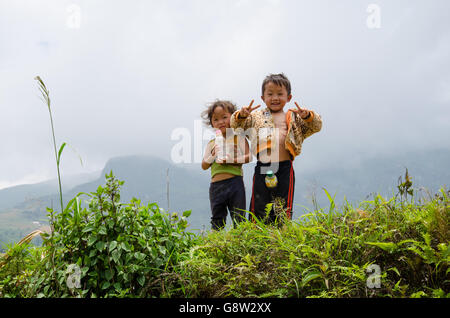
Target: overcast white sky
<point x="125" y="74"/>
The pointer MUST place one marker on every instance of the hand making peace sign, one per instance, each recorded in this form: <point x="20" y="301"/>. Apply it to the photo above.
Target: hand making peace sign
<point x="304" y="113"/>
<point x="246" y="110"/>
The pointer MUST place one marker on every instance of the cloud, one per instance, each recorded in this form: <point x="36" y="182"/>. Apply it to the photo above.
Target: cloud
<point x="132" y="73"/>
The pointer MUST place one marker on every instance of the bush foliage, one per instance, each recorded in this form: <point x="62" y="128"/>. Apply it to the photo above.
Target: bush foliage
<point x="108" y="248"/>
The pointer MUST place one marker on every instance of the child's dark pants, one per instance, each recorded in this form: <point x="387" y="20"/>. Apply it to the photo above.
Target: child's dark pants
<point x="227" y="194"/>
<point x="284" y="192"/>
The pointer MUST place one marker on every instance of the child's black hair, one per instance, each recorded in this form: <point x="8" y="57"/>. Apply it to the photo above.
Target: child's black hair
<point x="208" y="112"/>
<point x="278" y="79"/>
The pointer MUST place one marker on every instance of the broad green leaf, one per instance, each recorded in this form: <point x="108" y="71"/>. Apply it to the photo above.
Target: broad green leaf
<point x="311" y="276"/>
<point x="69" y="205"/>
<point x="92" y="253"/>
<point x="125" y="247"/>
<point x="92" y="240"/>
<point x="109" y="273"/>
<point x="88" y="228"/>
<point x="445" y="250"/>
<point x="141" y="280"/>
<point x="386" y="246"/>
<point x="86" y="260"/>
<point x="102" y="230"/>
<point x="116" y="255"/>
<point x="100" y="245"/>
<point x="139" y="256"/>
<point x="418" y="294"/>
<point x="408" y="241"/>
<point x="112" y="245"/>
<point x="106" y="285"/>
<point x="427" y="238"/>
<point x="60" y="152"/>
<point x="329" y="196"/>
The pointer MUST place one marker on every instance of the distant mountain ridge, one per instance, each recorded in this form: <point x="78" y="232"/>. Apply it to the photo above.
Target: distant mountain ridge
<point x="429" y="171"/>
<point x="146" y="179"/>
<point x="11" y="196"/>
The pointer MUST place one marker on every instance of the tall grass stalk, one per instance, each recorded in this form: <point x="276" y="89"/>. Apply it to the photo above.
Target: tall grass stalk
<point x="46" y="99"/>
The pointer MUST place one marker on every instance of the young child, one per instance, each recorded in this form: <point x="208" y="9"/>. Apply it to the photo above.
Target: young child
<point x="227" y="186"/>
<point x="276" y="139"/>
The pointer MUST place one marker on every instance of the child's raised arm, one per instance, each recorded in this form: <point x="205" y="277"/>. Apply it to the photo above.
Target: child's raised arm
<point x="310" y="121"/>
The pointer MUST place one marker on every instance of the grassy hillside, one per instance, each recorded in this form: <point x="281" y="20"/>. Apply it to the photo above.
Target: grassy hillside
<point x="387" y="249"/>
<point x="395" y="247"/>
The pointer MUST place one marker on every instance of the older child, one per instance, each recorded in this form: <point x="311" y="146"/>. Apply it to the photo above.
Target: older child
<point x="227" y="189"/>
<point x="276" y="138"/>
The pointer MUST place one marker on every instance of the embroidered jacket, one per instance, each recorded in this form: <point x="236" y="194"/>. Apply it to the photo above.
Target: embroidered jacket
<point x="259" y="127"/>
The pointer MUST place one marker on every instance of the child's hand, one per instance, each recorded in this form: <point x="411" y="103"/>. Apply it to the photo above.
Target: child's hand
<point x="211" y="156"/>
<point x="227" y="159"/>
<point x="304" y="113"/>
<point x="208" y="157"/>
<point x="246" y="110"/>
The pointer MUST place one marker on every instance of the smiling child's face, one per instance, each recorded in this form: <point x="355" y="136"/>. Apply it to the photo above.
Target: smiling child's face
<point x="220" y="119"/>
<point x="275" y="97"/>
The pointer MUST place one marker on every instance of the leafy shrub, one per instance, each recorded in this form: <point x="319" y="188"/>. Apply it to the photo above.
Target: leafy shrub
<point x="109" y="248"/>
<point x="16" y="267"/>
